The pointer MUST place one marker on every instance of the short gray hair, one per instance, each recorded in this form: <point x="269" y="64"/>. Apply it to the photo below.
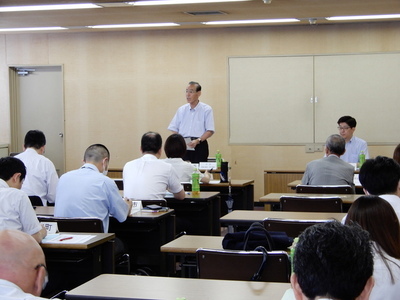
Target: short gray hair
<point x="336" y="144"/>
<point x="96" y="153"/>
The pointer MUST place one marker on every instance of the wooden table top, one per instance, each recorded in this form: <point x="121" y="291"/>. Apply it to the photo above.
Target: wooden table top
<point x="98" y="239"/>
<point x="49" y="211"/>
<point x="190" y="243"/>
<point x="172" y="288"/>
<point x="259" y="215"/>
<point x="274" y="197"/>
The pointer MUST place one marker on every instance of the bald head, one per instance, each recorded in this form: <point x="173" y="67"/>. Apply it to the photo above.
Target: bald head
<point x="21" y="261"/>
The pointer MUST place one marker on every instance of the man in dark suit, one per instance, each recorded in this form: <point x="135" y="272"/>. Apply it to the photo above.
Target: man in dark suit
<point x="330" y="170"/>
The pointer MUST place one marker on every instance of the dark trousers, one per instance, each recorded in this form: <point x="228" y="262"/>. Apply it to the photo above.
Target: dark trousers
<point x="199" y="154"/>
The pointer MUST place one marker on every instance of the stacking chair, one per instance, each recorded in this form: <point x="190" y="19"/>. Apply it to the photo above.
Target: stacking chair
<point x="324" y="189"/>
<point x="293" y="228"/>
<point x="242" y="265"/>
<point x="36" y="201"/>
<point x="311" y="204"/>
<point x="161" y="202"/>
<point x="75" y="224"/>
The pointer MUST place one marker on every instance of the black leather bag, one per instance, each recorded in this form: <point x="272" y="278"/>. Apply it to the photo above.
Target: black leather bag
<point x="256" y="236"/>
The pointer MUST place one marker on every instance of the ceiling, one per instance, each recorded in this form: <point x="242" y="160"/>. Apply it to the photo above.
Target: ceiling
<point x="116" y="12"/>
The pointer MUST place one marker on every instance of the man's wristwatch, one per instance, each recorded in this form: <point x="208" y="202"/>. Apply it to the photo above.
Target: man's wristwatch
<point x="199" y="139"/>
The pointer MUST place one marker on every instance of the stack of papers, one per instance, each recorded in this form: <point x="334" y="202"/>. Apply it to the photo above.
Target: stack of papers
<point x="66" y="238"/>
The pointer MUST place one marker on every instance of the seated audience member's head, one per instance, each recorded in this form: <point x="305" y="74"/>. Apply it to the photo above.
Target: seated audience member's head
<point x="34" y="139"/>
<point x="380" y="176"/>
<point x="12" y="171"/>
<point x="396" y="154"/>
<point x="333" y="261"/>
<point x="335" y="144"/>
<point x="378" y="217"/>
<point x="175" y="146"/>
<point x="151" y="143"/>
<point x="22" y="261"/>
<point x="98" y="155"/>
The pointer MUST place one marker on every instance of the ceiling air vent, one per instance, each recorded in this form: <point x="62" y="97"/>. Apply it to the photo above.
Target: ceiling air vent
<point x="205" y="13"/>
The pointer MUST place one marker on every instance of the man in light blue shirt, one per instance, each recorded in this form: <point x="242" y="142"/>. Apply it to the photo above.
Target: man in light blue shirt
<point x="354" y="145"/>
<point x="195" y="122"/>
<point x="87" y="192"/>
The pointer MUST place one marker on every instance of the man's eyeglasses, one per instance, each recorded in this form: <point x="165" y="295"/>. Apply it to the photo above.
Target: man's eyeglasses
<point x="46" y="278"/>
<point x="343" y="128"/>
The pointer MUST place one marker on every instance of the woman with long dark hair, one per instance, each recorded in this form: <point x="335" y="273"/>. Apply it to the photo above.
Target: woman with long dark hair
<point x="377" y="216"/>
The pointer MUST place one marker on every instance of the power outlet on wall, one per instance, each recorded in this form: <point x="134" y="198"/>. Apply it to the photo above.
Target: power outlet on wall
<point x="310" y="148"/>
<point x="319" y="147"/>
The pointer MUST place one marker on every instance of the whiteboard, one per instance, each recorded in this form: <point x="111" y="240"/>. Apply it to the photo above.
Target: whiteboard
<point x="291" y="100"/>
<point x="269" y="98"/>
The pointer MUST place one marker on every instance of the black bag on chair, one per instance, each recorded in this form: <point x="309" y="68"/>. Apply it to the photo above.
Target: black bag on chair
<point x="256" y="236"/>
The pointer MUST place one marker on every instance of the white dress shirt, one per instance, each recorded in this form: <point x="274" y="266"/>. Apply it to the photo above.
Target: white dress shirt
<point x="384" y="288"/>
<point x="148" y="178"/>
<point x="193" y="122"/>
<point x="88" y="193"/>
<point x="16" y="211"/>
<point x="353" y="150"/>
<point x="10" y="291"/>
<point x="41" y="176"/>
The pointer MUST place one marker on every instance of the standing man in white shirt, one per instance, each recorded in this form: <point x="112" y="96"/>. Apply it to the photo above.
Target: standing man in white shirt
<point x="195" y="122"/>
<point x="41" y="179"/>
<point x="354" y="145"/>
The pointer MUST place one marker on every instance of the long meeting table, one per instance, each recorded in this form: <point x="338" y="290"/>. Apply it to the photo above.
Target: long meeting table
<point x="245" y="218"/>
<point x="108" y="286"/>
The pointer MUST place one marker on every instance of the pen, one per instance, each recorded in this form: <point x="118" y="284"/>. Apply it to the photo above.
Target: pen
<point x="67" y="238"/>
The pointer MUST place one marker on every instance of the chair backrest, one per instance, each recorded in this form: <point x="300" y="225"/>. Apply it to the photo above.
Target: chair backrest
<point x="36" y="201"/>
<point x="242" y="265"/>
<point x="75" y="224"/>
<point x="161" y="202"/>
<point x="313" y="204"/>
<point x="293" y="228"/>
<point x="119" y="183"/>
<point x="324" y="189"/>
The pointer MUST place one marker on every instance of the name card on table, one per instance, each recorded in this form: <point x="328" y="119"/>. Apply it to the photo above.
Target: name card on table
<point x="136" y="206"/>
<point x="208" y="165"/>
<point x="51" y="227"/>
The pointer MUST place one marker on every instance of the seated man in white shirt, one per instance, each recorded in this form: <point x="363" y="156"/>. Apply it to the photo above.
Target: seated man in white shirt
<point x="354" y="145"/>
<point x="41" y="179"/>
<point x="148" y="178"/>
<point x="87" y="192"/>
<point x="23" y="273"/>
<point x="333" y="261"/>
<point x="16" y="211"/>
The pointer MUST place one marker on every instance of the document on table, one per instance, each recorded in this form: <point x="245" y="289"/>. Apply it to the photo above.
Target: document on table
<point x="66" y="238"/>
<point x="187" y="141"/>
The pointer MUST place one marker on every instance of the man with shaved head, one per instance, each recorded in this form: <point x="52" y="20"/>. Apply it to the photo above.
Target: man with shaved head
<point x="23" y="273"/>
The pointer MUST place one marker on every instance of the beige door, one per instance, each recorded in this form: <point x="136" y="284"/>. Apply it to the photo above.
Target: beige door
<point x="37" y="102"/>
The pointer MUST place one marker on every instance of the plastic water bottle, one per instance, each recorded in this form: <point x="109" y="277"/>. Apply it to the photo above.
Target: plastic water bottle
<point x="196" y="183"/>
<point x="218" y="159"/>
<point x="361" y="159"/>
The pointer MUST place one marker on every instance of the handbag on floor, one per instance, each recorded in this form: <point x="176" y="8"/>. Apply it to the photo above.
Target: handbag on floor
<point x="256" y="236"/>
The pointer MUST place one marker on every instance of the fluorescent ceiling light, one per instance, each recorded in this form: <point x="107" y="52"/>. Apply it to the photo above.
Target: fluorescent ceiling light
<point x="31" y="29"/>
<point x="251" y="21"/>
<point x="167" y="2"/>
<point x="370" y="17"/>
<point x="134" y="25"/>
<point x="48" y="7"/>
